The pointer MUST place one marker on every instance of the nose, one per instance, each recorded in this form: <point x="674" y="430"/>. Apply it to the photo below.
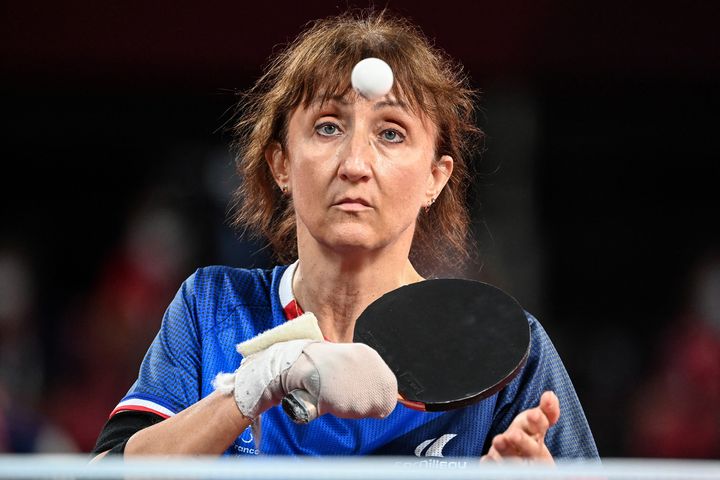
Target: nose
<point x="356" y="158"/>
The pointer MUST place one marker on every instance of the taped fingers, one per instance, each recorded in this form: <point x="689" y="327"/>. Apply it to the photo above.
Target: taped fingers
<point x="353" y="381"/>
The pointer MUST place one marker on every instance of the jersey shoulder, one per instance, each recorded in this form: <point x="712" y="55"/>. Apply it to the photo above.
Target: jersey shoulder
<point x="214" y="309"/>
<point x="219" y="291"/>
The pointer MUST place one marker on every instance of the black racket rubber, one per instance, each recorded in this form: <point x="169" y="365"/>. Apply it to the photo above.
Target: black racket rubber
<point x="450" y="342"/>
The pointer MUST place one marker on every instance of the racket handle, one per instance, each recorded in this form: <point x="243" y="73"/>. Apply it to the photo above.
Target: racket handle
<point x="300" y="406"/>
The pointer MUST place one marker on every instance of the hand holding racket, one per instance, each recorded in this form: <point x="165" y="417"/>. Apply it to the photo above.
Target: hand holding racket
<point x="449" y="342"/>
<point x="294" y="357"/>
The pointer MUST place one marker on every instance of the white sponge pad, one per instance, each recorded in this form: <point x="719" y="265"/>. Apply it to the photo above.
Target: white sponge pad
<point x="303" y="327"/>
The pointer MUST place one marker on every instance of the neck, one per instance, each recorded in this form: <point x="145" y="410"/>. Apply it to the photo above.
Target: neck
<point x="338" y="287"/>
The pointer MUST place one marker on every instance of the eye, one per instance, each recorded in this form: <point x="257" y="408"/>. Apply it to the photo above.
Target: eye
<point x="327" y="129"/>
<point x="392" y="136"/>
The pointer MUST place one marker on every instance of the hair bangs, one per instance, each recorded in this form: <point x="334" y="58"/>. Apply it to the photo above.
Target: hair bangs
<point x="323" y="72"/>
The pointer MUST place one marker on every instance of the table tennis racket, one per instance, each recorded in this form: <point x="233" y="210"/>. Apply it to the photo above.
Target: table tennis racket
<point x="449" y="342"/>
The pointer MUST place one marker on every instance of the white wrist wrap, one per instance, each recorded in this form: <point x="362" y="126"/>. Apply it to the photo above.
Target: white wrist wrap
<point x="256" y="385"/>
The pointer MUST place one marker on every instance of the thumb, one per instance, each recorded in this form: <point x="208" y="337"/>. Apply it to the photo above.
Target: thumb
<point x="550" y="405"/>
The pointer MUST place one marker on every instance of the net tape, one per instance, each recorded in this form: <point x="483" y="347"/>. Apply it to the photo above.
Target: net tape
<point x="270" y="468"/>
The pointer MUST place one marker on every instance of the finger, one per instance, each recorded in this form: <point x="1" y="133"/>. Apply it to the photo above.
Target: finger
<point x="516" y="443"/>
<point x="550" y="405"/>
<point x="504" y="446"/>
<point x="500" y="444"/>
<point x="492" y="456"/>
<point x="534" y="422"/>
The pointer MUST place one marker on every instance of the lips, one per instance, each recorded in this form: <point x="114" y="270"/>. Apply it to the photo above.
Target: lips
<point x="353" y="201"/>
<point x="353" y="205"/>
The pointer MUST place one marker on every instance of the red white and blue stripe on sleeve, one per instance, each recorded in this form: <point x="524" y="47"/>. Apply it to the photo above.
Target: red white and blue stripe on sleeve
<point x="138" y="404"/>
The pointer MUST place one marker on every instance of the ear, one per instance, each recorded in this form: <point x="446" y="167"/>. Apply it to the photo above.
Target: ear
<point x="277" y="161"/>
<point x="439" y="176"/>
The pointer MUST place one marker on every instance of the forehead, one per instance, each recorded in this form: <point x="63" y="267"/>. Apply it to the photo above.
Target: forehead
<point x="332" y="82"/>
<point x="352" y="101"/>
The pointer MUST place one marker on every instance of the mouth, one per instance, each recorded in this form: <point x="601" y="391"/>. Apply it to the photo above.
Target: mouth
<point x="358" y="200"/>
<point x="352" y="204"/>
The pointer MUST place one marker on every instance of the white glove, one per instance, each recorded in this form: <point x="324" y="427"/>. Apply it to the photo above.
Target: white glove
<point x="349" y="380"/>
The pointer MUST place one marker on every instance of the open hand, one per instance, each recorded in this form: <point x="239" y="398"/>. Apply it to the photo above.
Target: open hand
<point x="525" y="437"/>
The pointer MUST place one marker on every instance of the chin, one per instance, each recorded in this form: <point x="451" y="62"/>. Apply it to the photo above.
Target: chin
<point x="358" y="237"/>
<point x="351" y="238"/>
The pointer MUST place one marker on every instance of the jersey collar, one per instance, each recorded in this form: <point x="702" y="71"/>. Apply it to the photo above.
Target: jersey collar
<point x="287" y="298"/>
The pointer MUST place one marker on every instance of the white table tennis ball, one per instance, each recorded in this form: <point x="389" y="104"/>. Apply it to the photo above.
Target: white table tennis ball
<point x="372" y="78"/>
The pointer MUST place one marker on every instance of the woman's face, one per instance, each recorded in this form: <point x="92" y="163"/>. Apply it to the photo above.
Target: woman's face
<point x="359" y="172"/>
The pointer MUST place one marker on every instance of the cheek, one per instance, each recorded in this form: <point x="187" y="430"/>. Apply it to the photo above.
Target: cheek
<point x="309" y="173"/>
<point x="310" y="185"/>
<point x="410" y="183"/>
<point x="305" y="191"/>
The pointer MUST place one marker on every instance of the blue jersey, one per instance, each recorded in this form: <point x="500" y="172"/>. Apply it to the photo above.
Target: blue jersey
<point x="219" y="307"/>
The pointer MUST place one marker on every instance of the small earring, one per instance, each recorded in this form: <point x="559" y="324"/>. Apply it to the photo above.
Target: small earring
<point x="429" y="204"/>
<point x="284" y="189"/>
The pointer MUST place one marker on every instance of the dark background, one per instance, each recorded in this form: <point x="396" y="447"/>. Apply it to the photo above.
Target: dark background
<point x="596" y="202"/>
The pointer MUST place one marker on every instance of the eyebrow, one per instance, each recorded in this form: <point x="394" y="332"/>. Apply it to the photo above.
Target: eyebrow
<point x="390" y="104"/>
<point x="319" y="99"/>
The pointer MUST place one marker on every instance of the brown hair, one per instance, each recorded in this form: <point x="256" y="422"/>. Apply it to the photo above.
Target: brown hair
<point x="318" y="63"/>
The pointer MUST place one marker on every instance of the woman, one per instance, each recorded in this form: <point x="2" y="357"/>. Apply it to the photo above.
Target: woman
<point x="367" y="194"/>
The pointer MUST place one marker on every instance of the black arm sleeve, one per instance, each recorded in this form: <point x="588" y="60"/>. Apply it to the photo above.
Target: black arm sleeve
<point x="120" y="427"/>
